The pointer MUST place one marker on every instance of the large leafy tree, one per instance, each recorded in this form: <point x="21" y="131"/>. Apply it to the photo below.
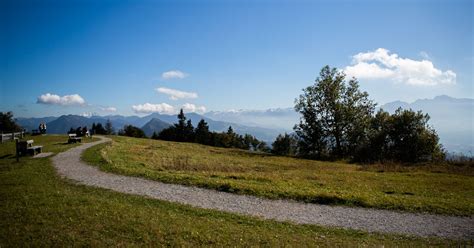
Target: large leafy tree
<point x="335" y="116"/>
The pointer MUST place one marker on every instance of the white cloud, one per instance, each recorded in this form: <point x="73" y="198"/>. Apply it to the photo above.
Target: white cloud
<point x="177" y="94"/>
<point x="66" y="100"/>
<point x="381" y="64"/>
<point x="108" y="109"/>
<point x="190" y="108"/>
<point x="174" y="74"/>
<point x="162" y="108"/>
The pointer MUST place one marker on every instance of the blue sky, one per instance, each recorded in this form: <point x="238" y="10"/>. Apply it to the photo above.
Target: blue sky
<point x="60" y="57"/>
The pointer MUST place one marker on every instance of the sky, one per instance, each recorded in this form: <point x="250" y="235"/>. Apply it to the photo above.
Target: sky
<point x="138" y="57"/>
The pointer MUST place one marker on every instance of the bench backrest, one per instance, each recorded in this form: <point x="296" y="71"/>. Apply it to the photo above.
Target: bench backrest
<point x="23" y="145"/>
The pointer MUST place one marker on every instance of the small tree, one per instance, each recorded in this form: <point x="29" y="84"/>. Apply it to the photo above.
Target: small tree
<point x="109" y="129"/>
<point x="284" y="145"/>
<point x="189" y="131"/>
<point x="154" y="135"/>
<point x="7" y="123"/>
<point x="99" y="129"/>
<point x="132" y="131"/>
<point x="180" y="127"/>
<point x="202" y="135"/>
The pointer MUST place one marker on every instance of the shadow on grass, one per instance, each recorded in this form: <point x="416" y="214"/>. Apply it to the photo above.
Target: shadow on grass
<point x="7" y="156"/>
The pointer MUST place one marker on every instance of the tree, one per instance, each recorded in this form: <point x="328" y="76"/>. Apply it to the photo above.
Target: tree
<point x="99" y="129"/>
<point x="334" y="115"/>
<point x="132" y="131"/>
<point x="93" y="128"/>
<point x="7" y="123"/>
<point x="263" y="147"/>
<point x="189" y="132"/>
<point x="411" y="138"/>
<point x="202" y="135"/>
<point x="180" y="127"/>
<point x="168" y="134"/>
<point x="404" y="136"/>
<point x="154" y="135"/>
<point x="284" y="145"/>
<point x="109" y="128"/>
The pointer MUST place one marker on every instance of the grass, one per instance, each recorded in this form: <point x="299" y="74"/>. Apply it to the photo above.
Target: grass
<point x="242" y="172"/>
<point x="37" y="208"/>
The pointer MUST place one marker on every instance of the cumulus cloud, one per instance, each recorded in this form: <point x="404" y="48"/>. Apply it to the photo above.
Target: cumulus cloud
<point x="189" y="107"/>
<point x="174" y="74"/>
<point x="108" y="109"/>
<point x="67" y="100"/>
<point x="381" y="64"/>
<point x="162" y="108"/>
<point x="176" y="94"/>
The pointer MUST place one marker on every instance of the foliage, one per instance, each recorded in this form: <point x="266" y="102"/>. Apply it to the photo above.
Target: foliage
<point x="154" y="135"/>
<point x="183" y="131"/>
<point x="335" y="115"/>
<point x="98" y="129"/>
<point x="132" y="131"/>
<point x="109" y="129"/>
<point x="338" y="122"/>
<point x="404" y="136"/>
<point x="7" y="123"/>
<point x="284" y="145"/>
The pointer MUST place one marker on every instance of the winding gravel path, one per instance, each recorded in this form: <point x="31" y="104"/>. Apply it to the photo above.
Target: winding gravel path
<point x="69" y="165"/>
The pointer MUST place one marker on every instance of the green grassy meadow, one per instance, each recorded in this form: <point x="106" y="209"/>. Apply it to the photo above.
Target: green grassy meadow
<point x="37" y="208"/>
<point x="426" y="189"/>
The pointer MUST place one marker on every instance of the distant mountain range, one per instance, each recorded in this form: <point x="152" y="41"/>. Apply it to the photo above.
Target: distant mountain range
<point x="151" y="123"/>
<point x="451" y="117"/>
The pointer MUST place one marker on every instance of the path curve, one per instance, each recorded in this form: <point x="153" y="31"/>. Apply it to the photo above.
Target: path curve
<point x="69" y="165"/>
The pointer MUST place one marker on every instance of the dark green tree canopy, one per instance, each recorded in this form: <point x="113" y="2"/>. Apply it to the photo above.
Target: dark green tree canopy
<point x="7" y="123"/>
<point x="132" y="131"/>
<point x="284" y="145"/>
<point x="338" y="121"/>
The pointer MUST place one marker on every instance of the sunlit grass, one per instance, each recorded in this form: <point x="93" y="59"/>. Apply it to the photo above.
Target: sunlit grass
<point x="259" y="174"/>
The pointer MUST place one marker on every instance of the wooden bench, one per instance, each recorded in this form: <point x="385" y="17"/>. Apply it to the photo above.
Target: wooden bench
<point x="73" y="138"/>
<point x="27" y="148"/>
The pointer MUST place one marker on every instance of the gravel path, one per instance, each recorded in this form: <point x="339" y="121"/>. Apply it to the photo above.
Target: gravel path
<point x="69" y="165"/>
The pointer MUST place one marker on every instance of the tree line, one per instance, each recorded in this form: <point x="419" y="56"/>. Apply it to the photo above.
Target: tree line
<point x="338" y="121"/>
<point x="184" y="131"/>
